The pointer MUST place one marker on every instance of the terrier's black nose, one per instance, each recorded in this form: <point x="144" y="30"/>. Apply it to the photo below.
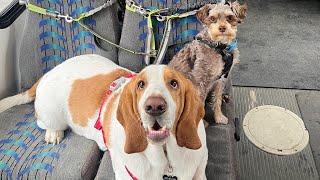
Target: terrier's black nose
<point x="155" y="105"/>
<point x="222" y="29"/>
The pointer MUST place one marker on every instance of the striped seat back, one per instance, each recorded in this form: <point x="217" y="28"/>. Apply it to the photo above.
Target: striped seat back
<point x="48" y="41"/>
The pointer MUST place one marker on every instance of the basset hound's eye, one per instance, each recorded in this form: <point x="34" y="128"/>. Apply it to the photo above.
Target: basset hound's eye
<point x="174" y="84"/>
<point x="141" y="84"/>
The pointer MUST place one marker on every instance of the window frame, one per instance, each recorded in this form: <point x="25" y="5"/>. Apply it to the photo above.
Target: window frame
<point x="10" y="14"/>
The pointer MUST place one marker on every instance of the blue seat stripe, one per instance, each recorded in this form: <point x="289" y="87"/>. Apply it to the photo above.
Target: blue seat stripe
<point x="151" y="7"/>
<point x="25" y="123"/>
<point x="28" y="115"/>
<point x="6" y="168"/>
<point x="52" y="46"/>
<point x="52" y="58"/>
<point x="80" y="10"/>
<point x="88" y="21"/>
<point x="36" y="166"/>
<point x="29" y="124"/>
<point x="158" y="37"/>
<point x="11" y="153"/>
<point x="159" y="25"/>
<point x="53" y="155"/>
<point x="44" y="146"/>
<point x="175" y="1"/>
<point x="14" y="142"/>
<point x="185" y="34"/>
<point x="23" y="133"/>
<point x="184" y="21"/>
<point x="80" y="35"/>
<point x="143" y="23"/>
<point x="161" y="1"/>
<point x="85" y="46"/>
<point x="52" y="1"/>
<point x="51" y="35"/>
<point x="70" y="2"/>
<point x="51" y="22"/>
<point x="143" y="36"/>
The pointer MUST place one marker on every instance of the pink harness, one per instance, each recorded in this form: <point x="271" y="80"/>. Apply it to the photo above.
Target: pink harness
<point x="113" y="87"/>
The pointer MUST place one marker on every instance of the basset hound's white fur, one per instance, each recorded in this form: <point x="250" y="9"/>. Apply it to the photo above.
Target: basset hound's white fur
<point x="152" y="122"/>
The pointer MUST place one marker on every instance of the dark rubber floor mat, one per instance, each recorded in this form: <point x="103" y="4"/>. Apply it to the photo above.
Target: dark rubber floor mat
<point x="257" y="164"/>
<point x="279" y="45"/>
<point x="309" y="104"/>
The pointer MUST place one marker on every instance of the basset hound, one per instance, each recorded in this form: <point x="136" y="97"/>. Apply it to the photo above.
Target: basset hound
<point x="150" y="122"/>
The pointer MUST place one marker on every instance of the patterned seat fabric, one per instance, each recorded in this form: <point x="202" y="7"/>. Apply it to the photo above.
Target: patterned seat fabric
<point x="134" y="33"/>
<point x="220" y="139"/>
<point x="46" y="43"/>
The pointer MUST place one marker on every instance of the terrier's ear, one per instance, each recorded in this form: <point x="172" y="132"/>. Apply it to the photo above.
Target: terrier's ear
<point x="203" y="14"/>
<point x="239" y="10"/>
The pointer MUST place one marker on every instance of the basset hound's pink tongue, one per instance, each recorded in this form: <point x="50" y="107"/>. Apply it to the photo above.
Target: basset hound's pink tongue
<point x="157" y="133"/>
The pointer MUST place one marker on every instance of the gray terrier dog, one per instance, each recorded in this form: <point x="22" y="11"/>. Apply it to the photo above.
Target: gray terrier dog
<point x="207" y="60"/>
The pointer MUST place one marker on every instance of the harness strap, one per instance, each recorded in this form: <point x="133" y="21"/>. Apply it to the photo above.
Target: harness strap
<point x="225" y="51"/>
<point x="131" y="174"/>
<point x="98" y="125"/>
<point x="116" y="84"/>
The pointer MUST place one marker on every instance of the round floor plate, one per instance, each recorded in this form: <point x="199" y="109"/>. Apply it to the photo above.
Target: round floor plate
<point x="275" y="130"/>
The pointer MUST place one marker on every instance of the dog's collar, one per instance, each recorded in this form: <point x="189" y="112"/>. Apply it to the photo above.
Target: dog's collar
<point x="224" y="50"/>
<point x="218" y="46"/>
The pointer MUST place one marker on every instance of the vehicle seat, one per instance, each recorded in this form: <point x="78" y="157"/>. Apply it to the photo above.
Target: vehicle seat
<point x="46" y="43"/>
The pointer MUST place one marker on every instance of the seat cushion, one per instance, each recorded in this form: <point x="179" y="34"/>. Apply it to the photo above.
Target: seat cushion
<point x="25" y="155"/>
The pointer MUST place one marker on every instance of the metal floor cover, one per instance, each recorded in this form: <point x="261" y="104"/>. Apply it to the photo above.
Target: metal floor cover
<point x="256" y="164"/>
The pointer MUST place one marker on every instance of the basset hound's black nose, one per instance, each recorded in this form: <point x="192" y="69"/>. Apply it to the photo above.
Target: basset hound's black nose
<point x="155" y="105"/>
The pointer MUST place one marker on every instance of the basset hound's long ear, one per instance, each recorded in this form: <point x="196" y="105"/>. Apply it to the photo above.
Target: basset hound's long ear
<point x="186" y="129"/>
<point x="129" y="118"/>
<point x="203" y="13"/>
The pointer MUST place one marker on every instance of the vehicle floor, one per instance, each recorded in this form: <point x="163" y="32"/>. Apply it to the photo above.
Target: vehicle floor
<point x="256" y="164"/>
<point x="279" y="45"/>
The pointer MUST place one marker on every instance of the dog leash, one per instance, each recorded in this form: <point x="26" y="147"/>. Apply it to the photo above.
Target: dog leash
<point x="159" y="15"/>
<point x="70" y="19"/>
<point x="132" y="6"/>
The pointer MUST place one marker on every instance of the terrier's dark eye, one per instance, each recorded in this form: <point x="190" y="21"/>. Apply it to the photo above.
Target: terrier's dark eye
<point x="141" y="84"/>
<point x="230" y="18"/>
<point x="174" y="84"/>
<point x="213" y="19"/>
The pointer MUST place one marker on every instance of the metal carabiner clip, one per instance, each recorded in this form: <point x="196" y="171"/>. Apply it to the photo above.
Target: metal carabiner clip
<point x="161" y="18"/>
<point x="67" y="18"/>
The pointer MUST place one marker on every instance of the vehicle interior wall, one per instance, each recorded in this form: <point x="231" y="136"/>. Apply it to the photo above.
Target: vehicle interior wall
<point x="10" y="39"/>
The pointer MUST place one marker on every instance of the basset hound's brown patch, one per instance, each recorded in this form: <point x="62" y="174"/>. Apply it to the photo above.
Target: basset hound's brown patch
<point x="129" y="117"/>
<point x="190" y="109"/>
<point x="86" y="95"/>
<point x="107" y="118"/>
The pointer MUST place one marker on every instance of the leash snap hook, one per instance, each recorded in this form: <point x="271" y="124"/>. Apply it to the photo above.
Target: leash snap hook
<point x="161" y="18"/>
<point x="67" y="18"/>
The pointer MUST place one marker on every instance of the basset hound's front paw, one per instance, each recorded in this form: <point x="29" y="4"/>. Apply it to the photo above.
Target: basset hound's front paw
<point x="53" y="136"/>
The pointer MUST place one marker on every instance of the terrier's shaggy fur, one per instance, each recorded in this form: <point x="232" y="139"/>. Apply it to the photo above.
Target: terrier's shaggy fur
<point x="203" y="65"/>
